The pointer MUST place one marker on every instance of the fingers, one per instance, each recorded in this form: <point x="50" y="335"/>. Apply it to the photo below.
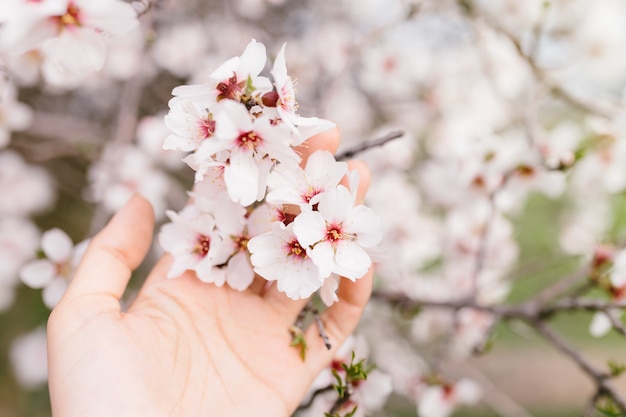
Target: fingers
<point x="339" y="321"/>
<point x="115" y="252"/>
<point x="328" y="140"/>
<point x="364" y="179"/>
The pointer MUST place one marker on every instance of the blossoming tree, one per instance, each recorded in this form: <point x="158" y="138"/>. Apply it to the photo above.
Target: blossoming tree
<point x="477" y="118"/>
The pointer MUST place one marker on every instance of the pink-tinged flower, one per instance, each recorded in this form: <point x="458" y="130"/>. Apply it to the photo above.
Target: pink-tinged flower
<point x="278" y="256"/>
<point x="441" y="400"/>
<point x="191" y="125"/>
<point x="233" y="80"/>
<point x="252" y="147"/>
<point x="235" y="225"/>
<point x="286" y="104"/>
<point x="336" y="235"/>
<point x="194" y="244"/>
<point x="54" y="272"/>
<point x="70" y="32"/>
<point x="305" y="187"/>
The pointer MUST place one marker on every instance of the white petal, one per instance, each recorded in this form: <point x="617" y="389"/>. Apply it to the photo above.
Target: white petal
<point x="52" y="293"/>
<point x="239" y="274"/>
<point x="242" y="179"/>
<point x="309" y="227"/>
<point x="252" y="60"/>
<point x="38" y="273"/>
<point x="433" y="403"/>
<point x="467" y="391"/>
<point x="57" y="245"/>
<point x="322" y="254"/>
<point x="114" y="17"/>
<point x="336" y="204"/>
<point x="600" y="325"/>
<point x="351" y="261"/>
<point x="328" y="292"/>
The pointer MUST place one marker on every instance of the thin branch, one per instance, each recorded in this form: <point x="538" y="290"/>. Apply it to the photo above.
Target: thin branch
<point x="320" y="326"/>
<point x="314" y="395"/>
<point x="560" y="287"/>
<point x="601" y="379"/>
<point x="350" y="153"/>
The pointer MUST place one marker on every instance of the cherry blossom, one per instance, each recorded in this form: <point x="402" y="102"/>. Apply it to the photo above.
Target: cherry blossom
<point x="305" y="187"/>
<point x="53" y="272"/>
<point x="337" y="235"/>
<point x="278" y="256"/>
<point x="441" y="400"/>
<point x="70" y="32"/>
<point x="194" y="243"/>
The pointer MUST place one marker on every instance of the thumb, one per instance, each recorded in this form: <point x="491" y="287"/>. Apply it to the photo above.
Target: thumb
<point x="115" y="252"/>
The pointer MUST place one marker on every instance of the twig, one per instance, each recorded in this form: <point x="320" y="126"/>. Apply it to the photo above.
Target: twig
<point x="320" y="326"/>
<point x="314" y="395"/>
<point x="601" y="379"/>
<point x="560" y="287"/>
<point x="350" y="153"/>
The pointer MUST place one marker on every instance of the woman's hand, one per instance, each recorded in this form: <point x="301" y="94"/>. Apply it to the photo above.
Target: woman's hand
<point x="184" y="347"/>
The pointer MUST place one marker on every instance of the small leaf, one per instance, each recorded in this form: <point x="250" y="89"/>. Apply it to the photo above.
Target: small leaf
<point x="616" y="368"/>
<point x="298" y="340"/>
<point x="352" y="413"/>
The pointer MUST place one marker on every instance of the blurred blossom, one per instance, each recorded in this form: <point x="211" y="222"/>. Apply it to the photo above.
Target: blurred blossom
<point x="14" y="253"/>
<point x="179" y="49"/>
<point x="14" y="116"/>
<point x="55" y="270"/>
<point x="26" y="189"/>
<point x="29" y="359"/>
<point x="123" y="171"/>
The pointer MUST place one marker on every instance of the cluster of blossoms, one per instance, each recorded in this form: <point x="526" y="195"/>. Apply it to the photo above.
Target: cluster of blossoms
<point x="69" y="37"/>
<point x="489" y="137"/>
<point x="253" y="208"/>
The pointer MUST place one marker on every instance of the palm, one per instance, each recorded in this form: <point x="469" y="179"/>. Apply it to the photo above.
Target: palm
<point x="183" y="348"/>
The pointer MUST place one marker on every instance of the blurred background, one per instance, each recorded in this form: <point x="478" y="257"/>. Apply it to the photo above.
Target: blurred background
<point x="510" y="174"/>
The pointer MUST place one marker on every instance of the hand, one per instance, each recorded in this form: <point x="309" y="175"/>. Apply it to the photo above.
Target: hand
<point x="183" y="348"/>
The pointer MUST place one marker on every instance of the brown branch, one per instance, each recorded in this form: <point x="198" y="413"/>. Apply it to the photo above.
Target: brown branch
<point x="350" y="153"/>
<point x="601" y="379"/>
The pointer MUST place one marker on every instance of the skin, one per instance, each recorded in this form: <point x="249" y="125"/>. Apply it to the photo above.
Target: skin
<point x="183" y="347"/>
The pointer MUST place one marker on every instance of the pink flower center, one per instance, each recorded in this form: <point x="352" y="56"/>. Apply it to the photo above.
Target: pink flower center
<point x="70" y="19"/>
<point x="207" y="126"/>
<point x="203" y="245"/>
<point x="296" y="250"/>
<point x="311" y="192"/>
<point x="230" y="88"/>
<point x="333" y="233"/>
<point x="241" y="242"/>
<point x="249" y="140"/>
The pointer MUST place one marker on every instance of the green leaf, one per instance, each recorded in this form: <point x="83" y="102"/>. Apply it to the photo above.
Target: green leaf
<point x="298" y="340"/>
<point x="616" y="368"/>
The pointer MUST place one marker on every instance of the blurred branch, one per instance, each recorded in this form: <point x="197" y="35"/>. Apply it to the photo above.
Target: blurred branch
<point x="67" y="129"/>
<point x="350" y="153"/>
<point x="601" y="379"/>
